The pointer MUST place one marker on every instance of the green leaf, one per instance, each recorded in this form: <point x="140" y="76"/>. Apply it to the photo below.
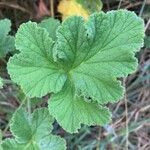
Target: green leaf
<point x="6" y="41"/>
<point x="52" y="143"/>
<point x="11" y="144"/>
<point x="51" y="26"/>
<point x="71" y="110"/>
<point x="1" y="83"/>
<point x="25" y="127"/>
<point x="33" y="132"/>
<point x="47" y="143"/>
<point x="34" y="68"/>
<point x="90" y="5"/>
<point x="100" y="51"/>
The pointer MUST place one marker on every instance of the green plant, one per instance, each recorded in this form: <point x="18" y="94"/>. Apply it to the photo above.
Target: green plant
<point x="79" y="64"/>
<point x="6" y="41"/>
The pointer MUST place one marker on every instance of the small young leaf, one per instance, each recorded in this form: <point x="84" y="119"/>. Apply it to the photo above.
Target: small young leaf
<point x="6" y="41"/>
<point x="33" y="132"/>
<point x="51" y="26"/>
<point x="71" y="111"/>
<point x="25" y="127"/>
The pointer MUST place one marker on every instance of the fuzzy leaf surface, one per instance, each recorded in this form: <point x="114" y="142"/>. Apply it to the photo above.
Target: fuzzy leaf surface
<point x="71" y="110"/>
<point x="51" y="26"/>
<point x="50" y="142"/>
<point x="25" y="127"/>
<point x="33" y="132"/>
<point x="34" y="68"/>
<point x="100" y="51"/>
<point x="6" y="41"/>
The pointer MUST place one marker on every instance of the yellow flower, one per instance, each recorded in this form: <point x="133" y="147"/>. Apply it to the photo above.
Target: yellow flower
<point x="71" y="7"/>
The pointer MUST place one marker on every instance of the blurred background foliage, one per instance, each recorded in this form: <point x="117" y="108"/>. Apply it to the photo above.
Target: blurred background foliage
<point x="131" y="116"/>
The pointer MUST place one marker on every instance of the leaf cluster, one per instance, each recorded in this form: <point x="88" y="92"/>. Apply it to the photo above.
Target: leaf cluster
<point x="80" y="62"/>
<point x="81" y="65"/>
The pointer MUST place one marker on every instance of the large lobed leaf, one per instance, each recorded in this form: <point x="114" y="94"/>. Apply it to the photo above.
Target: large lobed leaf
<point x="34" y="68"/>
<point x="32" y="132"/>
<point x="71" y="110"/>
<point x="83" y="63"/>
<point x="6" y="41"/>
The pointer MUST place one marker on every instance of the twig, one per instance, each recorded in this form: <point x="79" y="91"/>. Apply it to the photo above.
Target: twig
<point x="142" y="8"/>
<point x="52" y="8"/>
<point x="147" y="25"/>
<point x="7" y="104"/>
<point x="119" y="4"/>
<point x="133" y="5"/>
<point x="15" y="6"/>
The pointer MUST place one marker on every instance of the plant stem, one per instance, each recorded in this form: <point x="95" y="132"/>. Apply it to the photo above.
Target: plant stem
<point x="126" y="114"/>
